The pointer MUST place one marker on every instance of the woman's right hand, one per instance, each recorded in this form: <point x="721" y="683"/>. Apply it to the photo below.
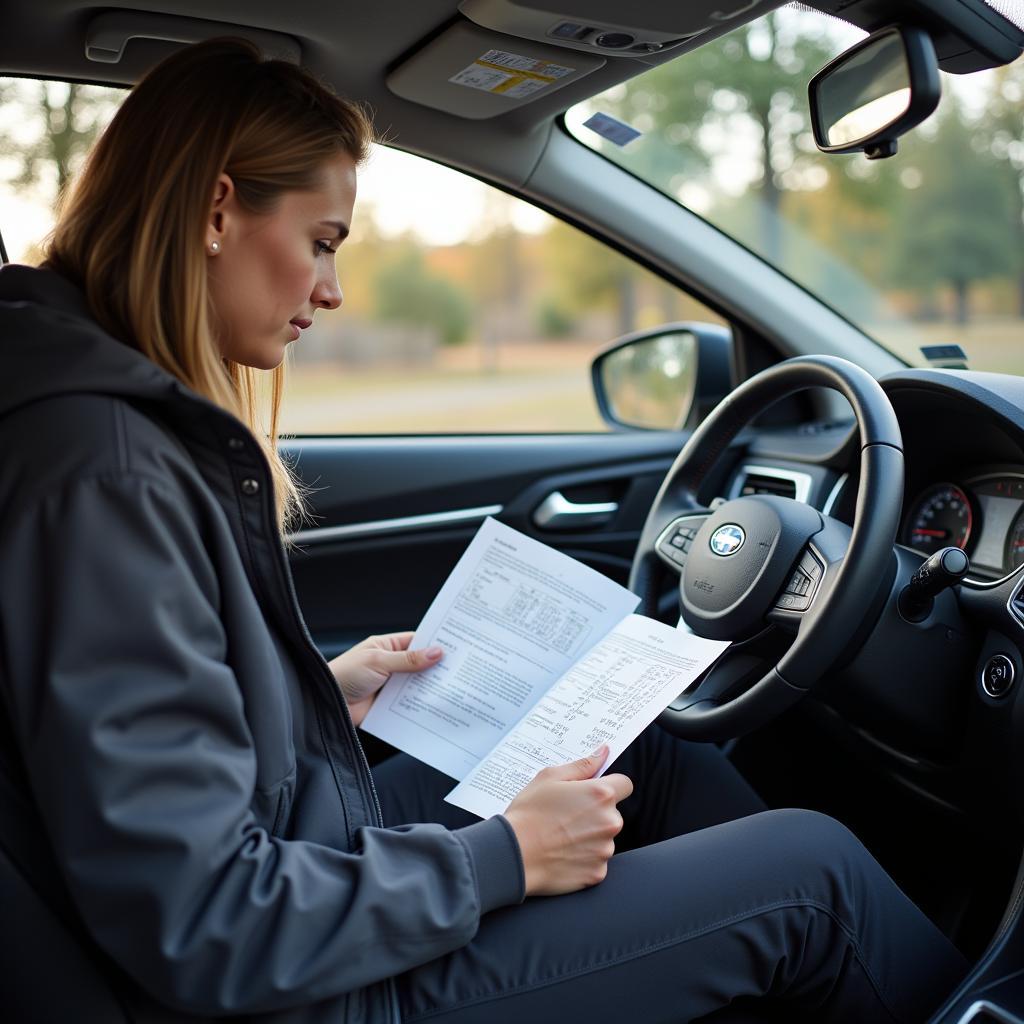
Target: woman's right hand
<point x="566" y="822"/>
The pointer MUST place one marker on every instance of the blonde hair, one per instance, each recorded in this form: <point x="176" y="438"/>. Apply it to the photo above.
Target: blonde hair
<point x="132" y="230"/>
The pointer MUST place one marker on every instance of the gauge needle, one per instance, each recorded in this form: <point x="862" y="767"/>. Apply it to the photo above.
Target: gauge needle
<point x="930" y="533"/>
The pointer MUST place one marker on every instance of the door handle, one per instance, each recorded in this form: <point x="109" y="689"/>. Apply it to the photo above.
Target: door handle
<point x="556" y="512"/>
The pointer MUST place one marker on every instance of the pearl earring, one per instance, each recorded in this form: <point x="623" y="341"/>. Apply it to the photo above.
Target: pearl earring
<point x="215" y="247"/>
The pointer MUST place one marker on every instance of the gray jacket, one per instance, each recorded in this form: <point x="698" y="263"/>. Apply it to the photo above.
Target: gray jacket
<point x="182" y="792"/>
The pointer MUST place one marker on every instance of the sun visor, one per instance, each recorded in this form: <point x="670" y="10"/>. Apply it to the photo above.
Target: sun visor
<point x="471" y="72"/>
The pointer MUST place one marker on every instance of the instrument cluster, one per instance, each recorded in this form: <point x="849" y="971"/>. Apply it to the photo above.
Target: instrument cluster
<point x="983" y="516"/>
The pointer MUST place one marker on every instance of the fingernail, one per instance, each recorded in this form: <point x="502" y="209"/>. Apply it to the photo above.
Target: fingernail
<point x="433" y="653"/>
<point x="601" y="751"/>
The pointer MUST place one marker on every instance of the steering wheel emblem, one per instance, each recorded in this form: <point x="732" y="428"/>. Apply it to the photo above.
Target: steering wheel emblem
<point x="727" y="540"/>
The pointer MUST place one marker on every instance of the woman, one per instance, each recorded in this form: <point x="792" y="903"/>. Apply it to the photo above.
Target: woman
<point x="189" y="826"/>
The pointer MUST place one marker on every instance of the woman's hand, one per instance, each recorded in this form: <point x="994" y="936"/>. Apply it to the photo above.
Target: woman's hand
<point x="566" y="822"/>
<point x="362" y="670"/>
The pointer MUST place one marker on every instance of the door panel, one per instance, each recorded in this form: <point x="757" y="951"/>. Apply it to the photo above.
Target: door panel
<point x="385" y="539"/>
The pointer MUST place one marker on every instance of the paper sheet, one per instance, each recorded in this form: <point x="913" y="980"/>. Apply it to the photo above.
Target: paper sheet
<point x="511" y="618"/>
<point x="610" y="696"/>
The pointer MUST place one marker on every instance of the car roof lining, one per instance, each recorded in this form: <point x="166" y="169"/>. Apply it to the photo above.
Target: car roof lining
<point x="342" y="43"/>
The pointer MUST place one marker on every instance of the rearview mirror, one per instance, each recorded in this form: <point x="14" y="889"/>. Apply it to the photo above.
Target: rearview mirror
<point x="875" y="92"/>
<point x="664" y="378"/>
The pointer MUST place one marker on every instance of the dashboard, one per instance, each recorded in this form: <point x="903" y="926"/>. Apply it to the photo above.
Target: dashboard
<point x="983" y="515"/>
<point x="963" y="444"/>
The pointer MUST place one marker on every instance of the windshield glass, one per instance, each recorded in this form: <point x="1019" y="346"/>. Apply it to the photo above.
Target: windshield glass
<point x="922" y="249"/>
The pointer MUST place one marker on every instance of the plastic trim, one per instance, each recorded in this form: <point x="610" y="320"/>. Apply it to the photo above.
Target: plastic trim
<point x="996" y="1013"/>
<point x="378" y="527"/>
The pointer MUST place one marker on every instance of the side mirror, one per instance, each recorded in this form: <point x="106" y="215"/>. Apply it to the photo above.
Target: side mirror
<point x="663" y="379"/>
<point x="875" y="92"/>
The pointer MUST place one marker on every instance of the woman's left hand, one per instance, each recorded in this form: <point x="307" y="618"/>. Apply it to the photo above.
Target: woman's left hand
<point x="362" y="670"/>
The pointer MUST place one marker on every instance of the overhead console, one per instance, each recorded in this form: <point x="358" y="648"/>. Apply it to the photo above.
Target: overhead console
<point x="501" y="54"/>
<point x="597" y="26"/>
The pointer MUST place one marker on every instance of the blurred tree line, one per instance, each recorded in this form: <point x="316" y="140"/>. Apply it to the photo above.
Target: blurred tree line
<point x="942" y="220"/>
<point x="943" y="217"/>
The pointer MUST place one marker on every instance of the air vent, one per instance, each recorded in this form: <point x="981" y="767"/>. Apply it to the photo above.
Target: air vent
<point x="786" y="483"/>
<point x="754" y="483"/>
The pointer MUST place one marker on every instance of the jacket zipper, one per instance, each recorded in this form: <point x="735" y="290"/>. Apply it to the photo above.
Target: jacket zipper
<point x="369" y="789"/>
<point x="366" y="784"/>
<point x="365" y="776"/>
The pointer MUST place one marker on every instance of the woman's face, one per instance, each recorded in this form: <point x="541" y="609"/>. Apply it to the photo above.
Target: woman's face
<point x="270" y="273"/>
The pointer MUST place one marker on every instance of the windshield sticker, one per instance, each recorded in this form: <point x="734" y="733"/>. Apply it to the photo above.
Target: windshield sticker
<point x="509" y="74"/>
<point x="612" y="129"/>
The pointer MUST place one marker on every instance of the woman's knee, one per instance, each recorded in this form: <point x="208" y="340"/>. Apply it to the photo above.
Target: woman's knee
<point x="812" y="854"/>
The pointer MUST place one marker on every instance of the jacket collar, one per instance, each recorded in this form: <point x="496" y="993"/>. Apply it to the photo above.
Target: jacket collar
<point x="52" y="345"/>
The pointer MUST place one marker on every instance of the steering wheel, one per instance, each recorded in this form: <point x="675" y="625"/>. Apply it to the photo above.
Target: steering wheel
<point x="763" y="560"/>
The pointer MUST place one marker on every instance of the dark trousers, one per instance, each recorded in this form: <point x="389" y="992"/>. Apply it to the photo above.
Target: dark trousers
<point x="715" y="908"/>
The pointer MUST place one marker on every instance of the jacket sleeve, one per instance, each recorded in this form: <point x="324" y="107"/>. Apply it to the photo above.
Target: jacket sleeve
<point x="131" y="725"/>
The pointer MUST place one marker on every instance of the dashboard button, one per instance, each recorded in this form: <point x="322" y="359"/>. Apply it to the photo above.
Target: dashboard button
<point x="997" y="676"/>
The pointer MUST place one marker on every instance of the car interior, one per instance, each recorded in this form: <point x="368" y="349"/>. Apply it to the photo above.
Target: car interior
<point x="878" y="647"/>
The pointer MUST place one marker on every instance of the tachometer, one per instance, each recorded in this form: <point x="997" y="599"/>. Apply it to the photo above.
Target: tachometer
<point x="941" y="517"/>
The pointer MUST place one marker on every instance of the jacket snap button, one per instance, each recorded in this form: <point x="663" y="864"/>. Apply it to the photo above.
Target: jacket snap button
<point x="250" y="486"/>
<point x="236" y="444"/>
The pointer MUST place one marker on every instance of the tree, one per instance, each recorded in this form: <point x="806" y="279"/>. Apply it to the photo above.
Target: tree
<point x="583" y="274"/>
<point x="406" y="292"/>
<point x="957" y="227"/>
<point x="62" y="121"/>
<point x="751" y="82"/>
<point x="1002" y="129"/>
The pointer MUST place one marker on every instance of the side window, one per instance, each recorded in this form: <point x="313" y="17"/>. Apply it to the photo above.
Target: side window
<point x="46" y="129"/>
<point x="466" y="310"/>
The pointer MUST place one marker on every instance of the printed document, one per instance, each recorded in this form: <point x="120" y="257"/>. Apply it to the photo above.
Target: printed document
<point x="543" y="662"/>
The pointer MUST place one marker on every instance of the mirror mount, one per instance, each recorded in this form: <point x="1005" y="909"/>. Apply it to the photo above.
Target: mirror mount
<point x="876" y="91"/>
<point x="881" y="150"/>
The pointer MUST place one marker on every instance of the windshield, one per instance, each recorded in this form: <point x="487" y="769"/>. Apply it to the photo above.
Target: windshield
<point x="920" y="250"/>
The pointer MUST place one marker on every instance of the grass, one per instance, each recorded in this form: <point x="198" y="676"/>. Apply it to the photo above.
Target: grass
<point x="537" y="387"/>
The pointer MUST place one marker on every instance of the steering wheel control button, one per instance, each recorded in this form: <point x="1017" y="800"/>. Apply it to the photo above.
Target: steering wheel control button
<point x="799" y="584"/>
<point x="810" y="566"/>
<point x="998" y="675"/>
<point x="802" y="584"/>
<point x="676" y="542"/>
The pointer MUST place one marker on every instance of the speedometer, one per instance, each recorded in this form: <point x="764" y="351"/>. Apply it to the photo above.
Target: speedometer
<point x="940" y="517"/>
